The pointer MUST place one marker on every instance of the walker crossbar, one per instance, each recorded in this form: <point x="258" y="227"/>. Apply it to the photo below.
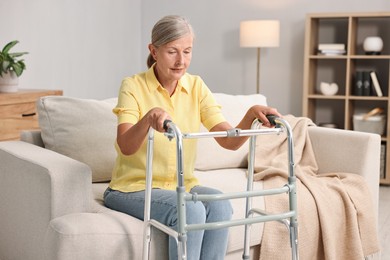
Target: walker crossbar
<point x="288" y="218"/>
<point x="235" y="195"/>
<point x="240" y="222"/>
<point x="235" y="132"/>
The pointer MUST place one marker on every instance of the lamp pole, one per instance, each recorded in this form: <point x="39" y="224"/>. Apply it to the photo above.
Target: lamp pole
<point x="258" y="71"/>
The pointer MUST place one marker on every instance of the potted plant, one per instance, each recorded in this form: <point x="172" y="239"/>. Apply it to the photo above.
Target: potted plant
<point x="11" y="67"/>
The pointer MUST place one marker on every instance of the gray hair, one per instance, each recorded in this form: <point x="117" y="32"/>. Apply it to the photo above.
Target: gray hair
<point x="168" y="29"/>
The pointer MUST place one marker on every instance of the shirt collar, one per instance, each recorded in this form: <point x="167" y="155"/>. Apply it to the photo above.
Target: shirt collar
<point x="153" y="84"/>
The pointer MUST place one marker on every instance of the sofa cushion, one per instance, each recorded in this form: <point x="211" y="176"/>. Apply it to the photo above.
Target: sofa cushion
<point x="82" y="129"/>
<point x="100" y="236"/>
<point x="210" y="155"/>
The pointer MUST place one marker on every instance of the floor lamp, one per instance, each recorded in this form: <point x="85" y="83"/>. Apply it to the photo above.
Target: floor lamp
<point x="258" y="34"/>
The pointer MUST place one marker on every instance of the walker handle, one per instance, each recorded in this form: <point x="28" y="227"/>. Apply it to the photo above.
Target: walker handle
<point x="165" y="124"/>
<point x="271" y="119"/>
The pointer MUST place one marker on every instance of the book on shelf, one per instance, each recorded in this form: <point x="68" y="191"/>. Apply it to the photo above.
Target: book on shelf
<point x="331" y="52"/>
<point x="331" y="49"/>
<point x="366" y="83"/>
<point x="358" y="90"/>
<point x="331" y="46"/>
<point x="375" y="83"/>
<point x="383" y="161"/>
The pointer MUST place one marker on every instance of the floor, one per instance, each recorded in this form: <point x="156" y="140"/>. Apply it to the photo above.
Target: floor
<point x="384" y="221"/>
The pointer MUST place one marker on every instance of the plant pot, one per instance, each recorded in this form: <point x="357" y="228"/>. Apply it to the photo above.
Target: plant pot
<point x="9" y="82"/>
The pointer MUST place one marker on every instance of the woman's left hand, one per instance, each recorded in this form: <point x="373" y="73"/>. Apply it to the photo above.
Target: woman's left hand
<point x="261" y="112"/>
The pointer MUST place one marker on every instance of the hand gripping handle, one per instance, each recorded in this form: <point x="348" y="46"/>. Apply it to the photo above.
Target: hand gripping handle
<point x="271" y="119"/>
<point x="165" y="124"/>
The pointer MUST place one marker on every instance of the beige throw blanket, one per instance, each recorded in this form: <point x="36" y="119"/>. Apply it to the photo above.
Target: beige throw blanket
<point x="335" y="213"/>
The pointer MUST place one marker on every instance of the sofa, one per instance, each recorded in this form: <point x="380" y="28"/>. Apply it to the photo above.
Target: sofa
<point x="52" y="181"/>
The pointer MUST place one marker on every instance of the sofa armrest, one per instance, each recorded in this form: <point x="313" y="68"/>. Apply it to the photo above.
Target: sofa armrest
<point x="65" y="181"/>
<point x="348" y="151"/>
<point x="36" y="186"/>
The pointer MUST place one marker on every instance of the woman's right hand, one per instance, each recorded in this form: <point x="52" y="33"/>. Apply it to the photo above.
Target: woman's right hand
<point x="130" y="137"/>
<point x="156" y="117"/>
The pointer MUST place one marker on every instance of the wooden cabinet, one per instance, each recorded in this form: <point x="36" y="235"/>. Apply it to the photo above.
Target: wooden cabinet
<point x="18" y="111"/>
<point x="350" y="30"/>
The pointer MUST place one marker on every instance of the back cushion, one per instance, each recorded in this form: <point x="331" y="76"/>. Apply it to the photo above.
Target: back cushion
<point x="85" y="130"/>
<point x="82" y="129"/>
<point x="210" y="155"/>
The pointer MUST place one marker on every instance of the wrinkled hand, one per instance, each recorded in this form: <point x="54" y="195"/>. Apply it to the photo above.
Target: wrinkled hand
<point x="156" y="117"/>
<point x="261" y="112"/>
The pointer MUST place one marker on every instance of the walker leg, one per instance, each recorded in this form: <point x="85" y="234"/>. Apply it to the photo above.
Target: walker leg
<point x="293" y="192"/>
<point x="182" y="249"/>
<point x="148" y="195"/>
<point x="248" y="210"/>
<point x="182" y="232"/>
<point x="245" y="255"/>
<point x="146" y="246"/>
<point x="294" y="243"/>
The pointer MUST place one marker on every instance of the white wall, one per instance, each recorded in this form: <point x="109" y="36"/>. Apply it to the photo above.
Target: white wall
<point x="86" y="47"/>
<point x="226" y="67"/>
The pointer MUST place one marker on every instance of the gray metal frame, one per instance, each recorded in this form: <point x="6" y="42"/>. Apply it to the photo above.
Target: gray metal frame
<point x="289" y="218"/>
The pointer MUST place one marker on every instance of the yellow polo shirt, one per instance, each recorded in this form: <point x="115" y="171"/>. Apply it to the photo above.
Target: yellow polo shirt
<point x="191" y="104"/>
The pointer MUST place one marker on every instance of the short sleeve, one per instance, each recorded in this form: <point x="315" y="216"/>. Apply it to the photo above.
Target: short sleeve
<point x="127" y="110"/>
<point x="210" y="110"/>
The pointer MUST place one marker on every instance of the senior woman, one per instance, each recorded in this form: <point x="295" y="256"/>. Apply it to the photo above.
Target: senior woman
<point x="167" y="91"/>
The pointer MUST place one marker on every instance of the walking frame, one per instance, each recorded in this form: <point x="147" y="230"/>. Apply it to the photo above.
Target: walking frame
<point x="288" y="218"/>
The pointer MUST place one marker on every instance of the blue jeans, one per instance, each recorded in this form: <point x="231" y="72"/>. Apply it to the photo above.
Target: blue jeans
<point x="203" y="244"/>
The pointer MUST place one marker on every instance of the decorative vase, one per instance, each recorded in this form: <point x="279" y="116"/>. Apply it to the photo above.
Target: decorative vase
<point x="329" y="89"/>
<point x="9" y="82"/>
<point x="373" y="45"/>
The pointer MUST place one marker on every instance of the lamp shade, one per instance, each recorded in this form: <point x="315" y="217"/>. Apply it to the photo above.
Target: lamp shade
<point x="259" y="33"/>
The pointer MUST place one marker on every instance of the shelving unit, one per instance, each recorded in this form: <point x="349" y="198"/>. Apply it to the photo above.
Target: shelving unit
<point x="349" y="29"/>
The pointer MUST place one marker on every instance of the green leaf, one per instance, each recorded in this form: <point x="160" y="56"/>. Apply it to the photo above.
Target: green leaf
<point x="9" y="46"/>
<point x="5" y="65"/>
<point x="21" y="63"/>
<point x="17" y="54"/>
<point x="17" y="68"/>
